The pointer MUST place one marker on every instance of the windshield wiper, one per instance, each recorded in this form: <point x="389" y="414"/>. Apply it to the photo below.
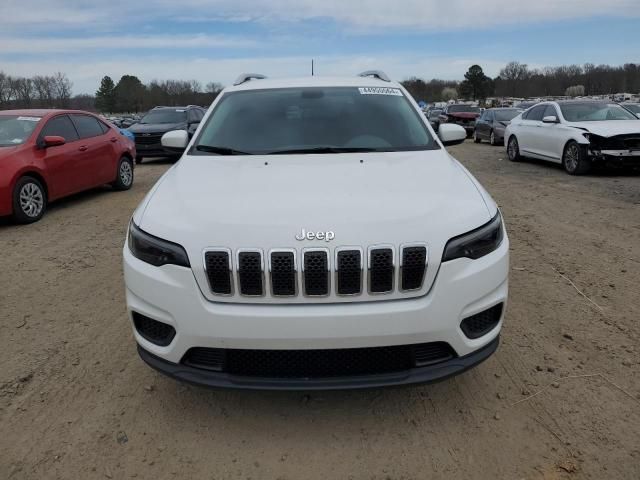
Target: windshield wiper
<point x="322" y="150"/>
<point x="220" y="150"/>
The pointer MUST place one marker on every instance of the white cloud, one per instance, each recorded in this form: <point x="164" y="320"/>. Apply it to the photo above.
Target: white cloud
<point x="113" y="42"/>
<point x="422" y="15"/>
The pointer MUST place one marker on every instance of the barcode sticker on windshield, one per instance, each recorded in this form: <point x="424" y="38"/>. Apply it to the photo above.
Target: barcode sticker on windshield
<point x="380" y="91"/>
<point x="29" y="119"/>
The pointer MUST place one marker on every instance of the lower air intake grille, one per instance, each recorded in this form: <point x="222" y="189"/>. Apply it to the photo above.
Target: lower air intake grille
<point x="283" y="274"/>
<point x="349" y="268"/>
<point x="381" y="270"/>
<point x="318" y="363"/>
<point x="482" y="323"/>
<point x="156" y="332"/>
<point x="250" y="273"/>
<point x="414" y="262"/>
<point x="206" y="358"/>
<point x="218" y="272"/>
<point x="316" y="273"/>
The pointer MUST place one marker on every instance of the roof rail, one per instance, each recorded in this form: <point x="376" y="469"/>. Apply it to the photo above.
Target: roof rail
<point x="245" y="77"/>
<point x="379" y="74"/>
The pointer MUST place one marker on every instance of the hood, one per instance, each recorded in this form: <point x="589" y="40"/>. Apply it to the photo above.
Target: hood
<point x="155" y="127"/>
<point x="265" y="201"/>
<point x="609" y="128"/>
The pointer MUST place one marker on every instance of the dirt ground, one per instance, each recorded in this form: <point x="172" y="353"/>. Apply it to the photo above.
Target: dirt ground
<point x="560" y="399"/>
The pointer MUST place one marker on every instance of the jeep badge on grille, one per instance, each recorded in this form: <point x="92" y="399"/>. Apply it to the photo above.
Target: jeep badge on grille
<point x="326" y="236"/>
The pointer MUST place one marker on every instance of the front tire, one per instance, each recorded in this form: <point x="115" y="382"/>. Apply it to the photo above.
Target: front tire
<point x="124" y="179"/>
<point x="513" y="149"/>
<point x="139" y="159"/>
<point x="476" y="138"/>
<point x="492" y="139"/>
<point x="29" y="200"/>
<point x="575" y="160"/>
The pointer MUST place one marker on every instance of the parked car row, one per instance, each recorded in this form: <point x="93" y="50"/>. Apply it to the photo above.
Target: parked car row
<point x="49" y="154"/>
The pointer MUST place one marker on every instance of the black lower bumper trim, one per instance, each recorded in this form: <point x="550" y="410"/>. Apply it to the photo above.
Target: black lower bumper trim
<point x="427" y="374"/>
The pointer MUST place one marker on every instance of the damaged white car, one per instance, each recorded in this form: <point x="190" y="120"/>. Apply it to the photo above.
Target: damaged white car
<point x="576" y="134"/>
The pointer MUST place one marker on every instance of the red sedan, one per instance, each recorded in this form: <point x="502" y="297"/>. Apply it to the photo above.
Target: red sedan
<point x="49" y="154"/>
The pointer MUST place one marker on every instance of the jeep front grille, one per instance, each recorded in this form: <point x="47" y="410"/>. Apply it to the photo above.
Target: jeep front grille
<point x="381" y="269"/>
<point x="250" y="273"/>
<point x="349" y="272"/>
<point x="317" y="272"/>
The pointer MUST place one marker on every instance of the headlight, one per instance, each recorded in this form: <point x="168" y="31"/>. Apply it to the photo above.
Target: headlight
<point x="476" y="243"/>
<point x="154" y="250"/>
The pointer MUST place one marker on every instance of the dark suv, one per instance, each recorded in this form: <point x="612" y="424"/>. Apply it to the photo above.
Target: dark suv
<point x="160" y="120"/>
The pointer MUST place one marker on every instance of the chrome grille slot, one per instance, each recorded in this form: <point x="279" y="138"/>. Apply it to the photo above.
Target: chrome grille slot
<point x="283" y="274"/>
<point x="349" y="272"/>
<point x="218" y="267"/>
<point x="381" y="269"/>
<point x="316" y="273"/>
<point x="413" y="265"/>
<point x="250" y="273"/>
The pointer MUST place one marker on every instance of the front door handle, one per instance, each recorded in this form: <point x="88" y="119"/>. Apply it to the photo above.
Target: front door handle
<point x="113" y="139"/>
<point x="83" y="148"/>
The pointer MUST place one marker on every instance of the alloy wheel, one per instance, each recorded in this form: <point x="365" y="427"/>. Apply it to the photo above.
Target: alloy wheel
<point x="572" y="157"/>
<point x="31" y="200"/>
<point x="126" y="173"/>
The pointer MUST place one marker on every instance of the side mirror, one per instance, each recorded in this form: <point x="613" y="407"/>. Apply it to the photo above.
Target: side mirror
<point x="550" y="119"/>
<point x="176" y="140"/>
<point x="451" y="134"/>
<point x="52" y="141"/>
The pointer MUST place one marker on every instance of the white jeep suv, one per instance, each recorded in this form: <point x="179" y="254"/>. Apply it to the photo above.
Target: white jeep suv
<point x="315" y="235"/>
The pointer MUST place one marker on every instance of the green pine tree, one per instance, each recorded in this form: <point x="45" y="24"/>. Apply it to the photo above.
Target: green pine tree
<point x="106" y="95"/>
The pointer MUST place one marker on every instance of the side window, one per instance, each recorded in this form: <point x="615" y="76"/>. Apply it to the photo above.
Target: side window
<point x="60" y="126"/>
<point x="87" y="126"/>
<point x="550" y="111"/>
<point x="489" y="117"/>
<point x="103" y="126"/>
<point x="537" y="113"/>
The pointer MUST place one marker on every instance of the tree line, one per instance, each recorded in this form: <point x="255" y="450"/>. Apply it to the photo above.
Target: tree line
<point x="129" y="94"/>
<point x="41" y="91"/>
<point x="518" y="80"/>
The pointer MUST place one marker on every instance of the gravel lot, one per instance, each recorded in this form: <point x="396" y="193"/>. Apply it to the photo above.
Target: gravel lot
<point x="560" y="398"/>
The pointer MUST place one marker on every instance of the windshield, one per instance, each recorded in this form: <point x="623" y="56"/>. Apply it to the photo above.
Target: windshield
<point x="594" y="112"/>
<point x="506" y="115"/>
<point x="165" y="116"/>
<point x="313" y="120"/>
<point x="463" y="108"/>
<point x="14" y="129"/>
<point x="634" y="107"/>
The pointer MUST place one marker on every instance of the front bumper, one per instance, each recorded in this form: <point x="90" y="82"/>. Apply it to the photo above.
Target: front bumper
<point x="427" y="374"/>
<point x="618" y="157"/>
<point x="153" y="150"/>
<point x="463" y="287"/>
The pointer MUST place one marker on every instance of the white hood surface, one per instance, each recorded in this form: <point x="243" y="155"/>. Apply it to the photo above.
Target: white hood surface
<point x="265" y="201"/>
<point x="609" y="128"/>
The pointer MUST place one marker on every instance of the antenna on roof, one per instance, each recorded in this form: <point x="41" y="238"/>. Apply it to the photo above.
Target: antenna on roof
<point x="312" y="67"/>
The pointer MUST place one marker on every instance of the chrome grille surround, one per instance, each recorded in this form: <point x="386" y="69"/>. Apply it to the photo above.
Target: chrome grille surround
<point x="266" y="280"/>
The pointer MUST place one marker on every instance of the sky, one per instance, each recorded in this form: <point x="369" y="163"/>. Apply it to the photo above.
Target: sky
<point x="216" y="40"/>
